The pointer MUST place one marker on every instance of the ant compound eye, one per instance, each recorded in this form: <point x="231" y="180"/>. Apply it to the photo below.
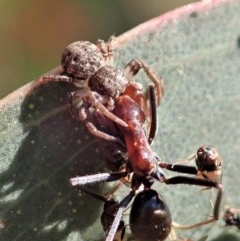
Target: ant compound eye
<point x="81" y="59"/>
<point x="108" y="81"/>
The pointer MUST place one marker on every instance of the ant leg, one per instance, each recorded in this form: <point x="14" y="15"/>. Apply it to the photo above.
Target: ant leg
<point x="179" y="168"/>
<point x="132" y="69"/>
<point x="199" y="182"/>
<point x="204" y="238"/>
<point x="97" y="104"/>
<point x="101" y="197"/>
<point x="97" y="178"/>
<point x="110" y="208"/>
<point x="187" y="170"/>
<point x="107" y="49"/>
<point x="98" y="196"/>
<point x="190" y="158"/>
<point x="118" y="215"/>
<point x="154" y="123"/>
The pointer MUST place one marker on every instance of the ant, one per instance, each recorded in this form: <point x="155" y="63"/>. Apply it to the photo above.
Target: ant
<point x="144" y="164"/>
<point x="232" y="217"/>
<point x="208" y="164"/>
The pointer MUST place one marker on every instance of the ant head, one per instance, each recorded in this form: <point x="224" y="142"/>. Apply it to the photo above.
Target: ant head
<point x="81" y="59"/>
<point x="208" y="159"/>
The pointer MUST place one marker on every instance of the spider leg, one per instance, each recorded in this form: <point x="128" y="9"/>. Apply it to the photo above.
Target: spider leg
<point x="94" y="131"/>
<point x="132" y="69"/>
<point x="85" y="116"/>
<point x="190" y="158"/>
<point x="107" y="49"/>
<point x="97" y="104"/>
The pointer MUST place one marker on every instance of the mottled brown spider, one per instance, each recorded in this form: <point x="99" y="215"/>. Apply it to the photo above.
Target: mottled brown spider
<point x="90" y="68"/>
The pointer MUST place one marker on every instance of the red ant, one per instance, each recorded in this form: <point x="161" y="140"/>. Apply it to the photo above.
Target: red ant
<point x="144" y="164"/>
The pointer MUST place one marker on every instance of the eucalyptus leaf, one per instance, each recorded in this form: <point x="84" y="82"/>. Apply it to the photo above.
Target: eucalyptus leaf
<point x="196" y="50"/>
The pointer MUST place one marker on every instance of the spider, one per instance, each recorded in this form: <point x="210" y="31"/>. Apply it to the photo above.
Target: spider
<point x="90" y="68"/>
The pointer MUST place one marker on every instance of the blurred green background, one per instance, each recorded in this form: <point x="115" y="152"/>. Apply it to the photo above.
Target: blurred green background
<point x="34" y="33"/>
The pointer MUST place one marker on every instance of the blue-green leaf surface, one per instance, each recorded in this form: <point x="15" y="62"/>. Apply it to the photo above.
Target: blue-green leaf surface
<point x="196" y="50"/>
